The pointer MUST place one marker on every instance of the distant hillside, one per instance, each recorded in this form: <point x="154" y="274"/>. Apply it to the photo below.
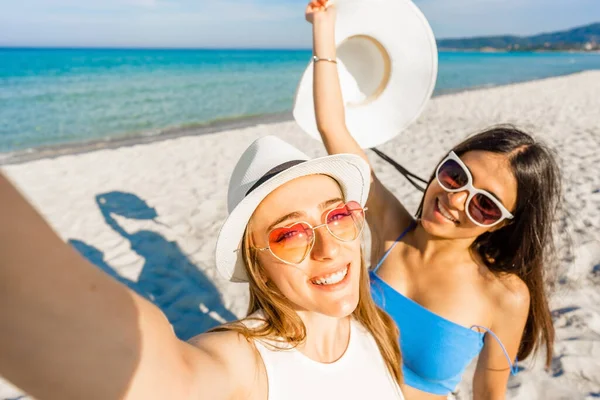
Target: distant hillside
<point x="582" y="38"/>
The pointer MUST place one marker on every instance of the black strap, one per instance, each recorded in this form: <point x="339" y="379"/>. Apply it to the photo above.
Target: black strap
<point x="274" y="171"/>
<point x="422" y="185"/>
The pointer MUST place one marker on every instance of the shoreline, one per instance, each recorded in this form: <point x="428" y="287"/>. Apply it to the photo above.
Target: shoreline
<point x="496" y="50"/>
<point x="135" y="138"/>
<point x="198" y="129"/>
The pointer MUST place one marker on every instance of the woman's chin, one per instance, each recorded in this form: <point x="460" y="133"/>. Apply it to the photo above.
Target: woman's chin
<point x="431" y="225"/>
<point x="339" y="309"/>
<point x="436" y="229"/>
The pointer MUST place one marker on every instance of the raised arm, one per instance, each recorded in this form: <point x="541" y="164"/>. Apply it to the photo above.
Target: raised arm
<point x="387" y="216"/>
<point x="329" y="104"/>
<point x="69" y="331"/>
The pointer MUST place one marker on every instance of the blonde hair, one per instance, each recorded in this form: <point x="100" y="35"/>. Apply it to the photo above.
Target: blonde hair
<point x="283" y="324"/>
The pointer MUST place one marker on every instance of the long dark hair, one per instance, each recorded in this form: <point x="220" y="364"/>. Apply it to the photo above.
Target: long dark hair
<point x="524" y="246"/>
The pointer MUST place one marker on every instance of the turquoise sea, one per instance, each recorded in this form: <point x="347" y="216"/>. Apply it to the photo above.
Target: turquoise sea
<point x="57" y="96"/>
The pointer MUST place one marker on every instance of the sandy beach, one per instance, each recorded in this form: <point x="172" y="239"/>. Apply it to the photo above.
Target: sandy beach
<point x="149" y="213"/>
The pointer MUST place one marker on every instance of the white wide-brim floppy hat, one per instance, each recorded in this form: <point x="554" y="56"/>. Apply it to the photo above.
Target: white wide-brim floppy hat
<point x="387" y="63"/>
<point x="266" y="164"/>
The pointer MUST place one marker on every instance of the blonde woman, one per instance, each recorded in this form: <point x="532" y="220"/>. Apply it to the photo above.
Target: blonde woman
<point x="70" y="332"/>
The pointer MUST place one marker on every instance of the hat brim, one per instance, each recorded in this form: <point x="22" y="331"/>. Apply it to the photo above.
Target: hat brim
<point x="404" y="33"/>
<point x="350" y="171"/>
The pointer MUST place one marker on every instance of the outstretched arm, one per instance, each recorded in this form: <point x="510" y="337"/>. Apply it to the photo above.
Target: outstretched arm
<point x="387" y="216"/>
<point x="69" y="331"/>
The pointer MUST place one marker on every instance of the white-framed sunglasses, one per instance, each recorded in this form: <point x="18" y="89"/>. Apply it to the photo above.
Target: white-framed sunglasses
<point x="482" y="207"/>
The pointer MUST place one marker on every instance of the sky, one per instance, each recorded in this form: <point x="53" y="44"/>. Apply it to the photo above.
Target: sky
<point x="253" y="23"/>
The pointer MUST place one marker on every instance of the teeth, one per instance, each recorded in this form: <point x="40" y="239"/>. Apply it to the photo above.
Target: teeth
<point x="445" y="212"/>
<point x="331" y="279"/>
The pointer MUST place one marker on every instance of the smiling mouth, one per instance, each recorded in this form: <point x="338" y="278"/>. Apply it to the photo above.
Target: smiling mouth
<point x="332" y="278"/>
<point x="444" y="212"/>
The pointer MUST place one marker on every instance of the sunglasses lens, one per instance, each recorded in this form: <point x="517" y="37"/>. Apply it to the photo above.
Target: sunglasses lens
<point x="452" y="176"/>
<point x="346" y="222"/>
<point x="483" y="210"/>
<point x="291" y="243"/>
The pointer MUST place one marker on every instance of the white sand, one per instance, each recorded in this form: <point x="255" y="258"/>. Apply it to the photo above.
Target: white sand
<point x="185" y="181"/>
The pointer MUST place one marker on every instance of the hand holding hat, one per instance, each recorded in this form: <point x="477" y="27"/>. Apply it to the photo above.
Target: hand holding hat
<point x="387" y="64"/>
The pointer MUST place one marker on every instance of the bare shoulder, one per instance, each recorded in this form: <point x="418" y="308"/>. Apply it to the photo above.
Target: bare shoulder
<point x="511" y="295"/>
<point x="234" y="357"/>
<point x="230" y="348"/>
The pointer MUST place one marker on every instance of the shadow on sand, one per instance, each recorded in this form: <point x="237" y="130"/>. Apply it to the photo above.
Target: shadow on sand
<point x="168" y="278"/>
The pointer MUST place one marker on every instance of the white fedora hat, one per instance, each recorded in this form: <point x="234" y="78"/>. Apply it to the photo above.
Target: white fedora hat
<point x="387" y="63"/>
<point x="268" y="163"/>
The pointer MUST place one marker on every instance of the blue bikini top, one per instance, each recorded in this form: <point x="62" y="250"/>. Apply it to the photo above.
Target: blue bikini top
<point x="435" y="351"/>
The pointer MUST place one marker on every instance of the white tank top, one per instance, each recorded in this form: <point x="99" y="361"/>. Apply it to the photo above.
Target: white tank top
<point x="360" y="374"/>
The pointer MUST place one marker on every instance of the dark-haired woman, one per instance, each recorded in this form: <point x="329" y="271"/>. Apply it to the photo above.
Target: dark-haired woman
<point x="465" y="278"/>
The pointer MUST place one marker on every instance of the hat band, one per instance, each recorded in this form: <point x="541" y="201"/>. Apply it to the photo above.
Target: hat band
<point x="274" y="171"/>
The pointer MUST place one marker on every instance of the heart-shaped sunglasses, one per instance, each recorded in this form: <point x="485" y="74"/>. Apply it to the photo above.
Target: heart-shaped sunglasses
<point x="293" y="243"/>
